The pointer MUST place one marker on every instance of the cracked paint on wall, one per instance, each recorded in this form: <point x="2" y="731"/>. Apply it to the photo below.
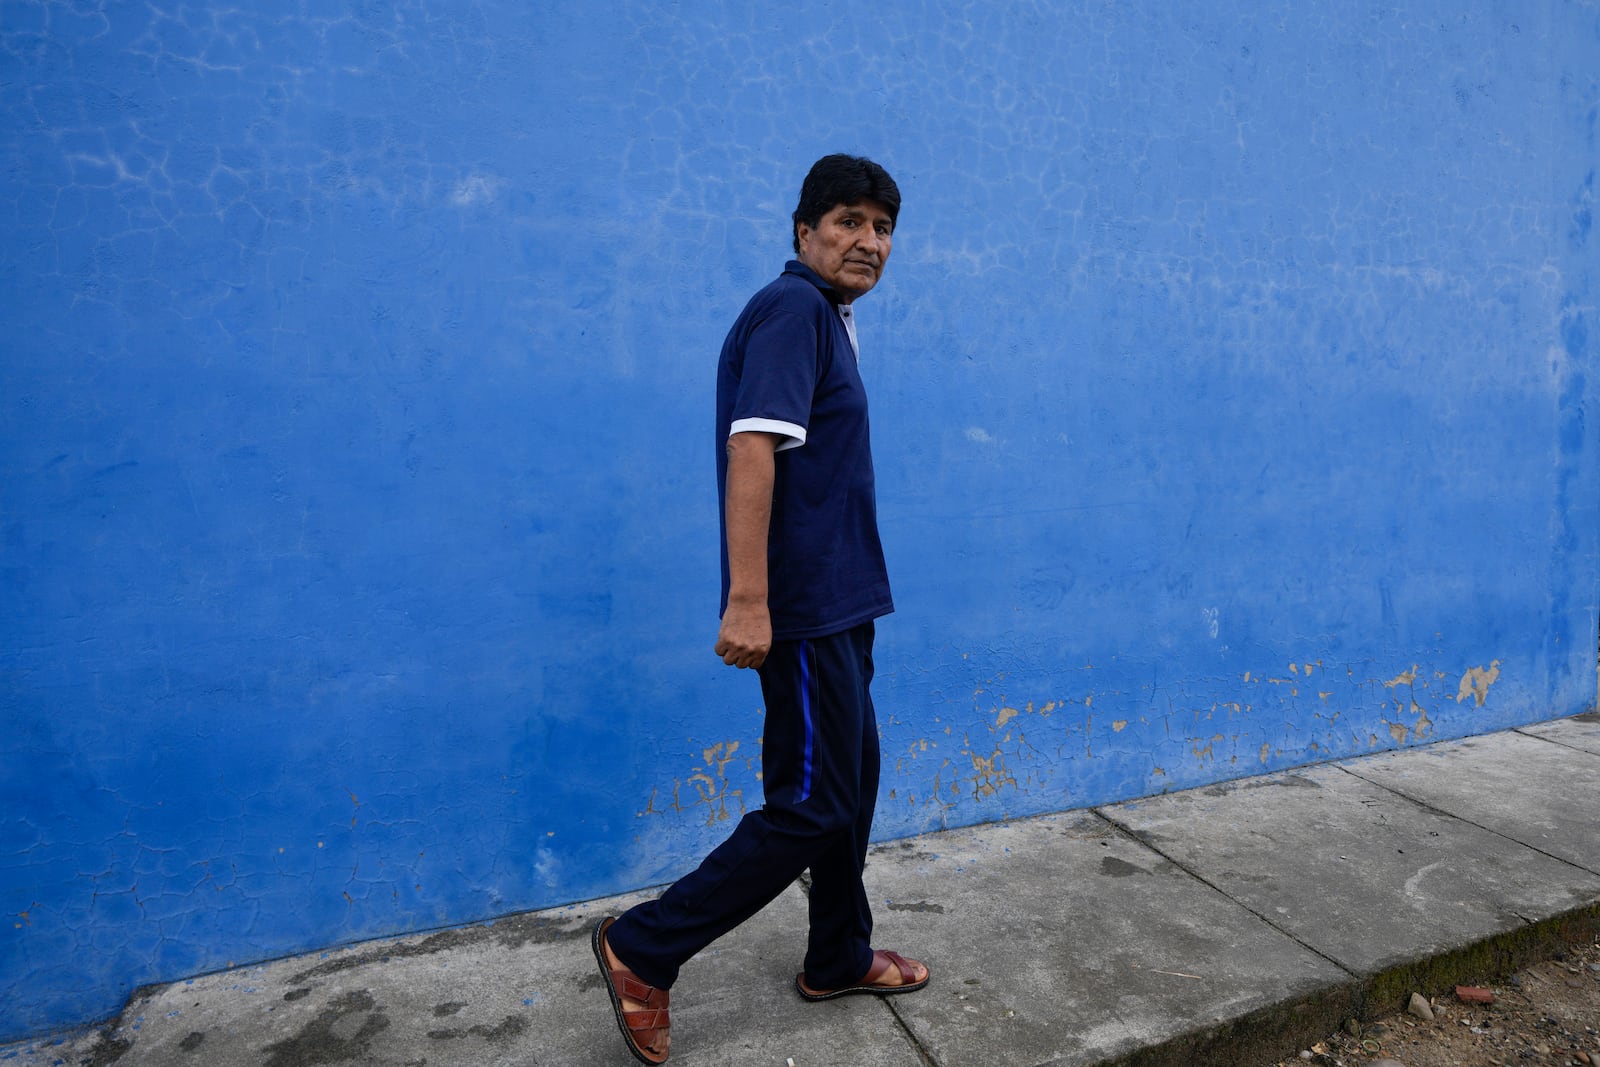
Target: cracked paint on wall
<point x="1018" y="752"/>
<point x="707" y="790"/>
<point x="329" y="614"/>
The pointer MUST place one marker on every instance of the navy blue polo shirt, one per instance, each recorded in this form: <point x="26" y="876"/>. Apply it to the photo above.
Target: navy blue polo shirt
<point x="788" y="367"/>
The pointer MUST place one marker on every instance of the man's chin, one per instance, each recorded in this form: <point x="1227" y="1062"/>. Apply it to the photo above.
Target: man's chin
<point x="858" y="285"/>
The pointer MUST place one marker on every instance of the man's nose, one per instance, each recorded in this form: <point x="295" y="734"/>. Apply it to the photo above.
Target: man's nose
<point x="869" y="240"/>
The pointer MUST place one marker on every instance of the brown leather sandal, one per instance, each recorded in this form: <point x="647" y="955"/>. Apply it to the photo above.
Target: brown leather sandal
<point x="882" y="960"/>
<point x="645" y="1027"/>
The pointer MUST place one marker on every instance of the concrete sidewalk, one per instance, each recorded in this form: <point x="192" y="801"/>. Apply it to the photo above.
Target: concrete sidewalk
<point x="1224" y="925"/>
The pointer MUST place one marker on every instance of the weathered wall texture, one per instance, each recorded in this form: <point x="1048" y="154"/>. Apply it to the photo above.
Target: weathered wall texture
<point x="1234" y="392"/>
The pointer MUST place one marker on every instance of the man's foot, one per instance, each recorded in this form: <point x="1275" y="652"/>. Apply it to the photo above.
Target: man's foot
<point x="890" y="973"/>
<point x="641" y="1009"/>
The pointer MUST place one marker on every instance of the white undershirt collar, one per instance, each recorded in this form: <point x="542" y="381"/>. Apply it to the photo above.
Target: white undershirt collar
<point x="850" y="328"/>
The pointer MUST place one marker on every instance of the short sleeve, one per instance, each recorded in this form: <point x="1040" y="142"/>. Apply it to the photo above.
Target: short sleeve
<point x="778" y="379"/>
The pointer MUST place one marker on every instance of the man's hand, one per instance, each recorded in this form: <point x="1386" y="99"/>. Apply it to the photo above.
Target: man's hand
<point x="746" y="635"/>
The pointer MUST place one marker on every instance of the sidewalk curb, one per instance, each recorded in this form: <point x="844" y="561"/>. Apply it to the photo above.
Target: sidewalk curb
<point x="1280" y="1030"/>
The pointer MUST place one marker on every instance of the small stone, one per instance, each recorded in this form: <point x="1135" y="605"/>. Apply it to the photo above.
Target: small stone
<point x="1305" y="1054"/>
<point x="1352" y="1027"/>
<point x="1420" y="1007"/>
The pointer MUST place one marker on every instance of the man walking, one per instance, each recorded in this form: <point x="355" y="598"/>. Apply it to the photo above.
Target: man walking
<point x="803" y="579"/>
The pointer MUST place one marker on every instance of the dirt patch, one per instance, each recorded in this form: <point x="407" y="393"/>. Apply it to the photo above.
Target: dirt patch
<point x="1546" y="1013"/>
<point x="514" y="932"/>
<point x="341" y="1033"/>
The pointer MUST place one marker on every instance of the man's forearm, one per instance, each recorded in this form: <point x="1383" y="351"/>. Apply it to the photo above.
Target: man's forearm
<point x="751" y="463"/>
<point x="745" y="637"/>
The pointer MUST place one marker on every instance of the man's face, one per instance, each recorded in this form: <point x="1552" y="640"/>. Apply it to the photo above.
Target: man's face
<point x="848" y="247"/>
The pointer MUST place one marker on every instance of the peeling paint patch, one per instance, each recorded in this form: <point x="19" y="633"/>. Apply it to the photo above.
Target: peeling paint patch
<point x="706" y="785"/>
<point x="1408" y="705"/>
<point x="1405" y="678"/>
<point x="990" y="774"/>
<point x="711" y="783"/>
<point x="1477" y="681"/>
<point x="1424" y="724"/>
<point x="1206" y="752"/>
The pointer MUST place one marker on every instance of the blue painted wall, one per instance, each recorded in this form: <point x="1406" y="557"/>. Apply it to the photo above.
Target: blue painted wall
<point x="1234" y="391"/>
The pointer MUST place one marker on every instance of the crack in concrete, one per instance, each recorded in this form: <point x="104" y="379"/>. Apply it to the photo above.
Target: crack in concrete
<point x="924" y="1055"/>
<point x="1425" y="806"/>
<point x="1141" y="840"/>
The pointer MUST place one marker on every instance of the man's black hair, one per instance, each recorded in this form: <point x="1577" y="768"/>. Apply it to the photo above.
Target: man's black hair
<point x="841" y="179"/>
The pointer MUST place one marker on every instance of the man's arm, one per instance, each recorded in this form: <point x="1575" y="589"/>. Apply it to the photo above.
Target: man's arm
<point x="746" y="634"/>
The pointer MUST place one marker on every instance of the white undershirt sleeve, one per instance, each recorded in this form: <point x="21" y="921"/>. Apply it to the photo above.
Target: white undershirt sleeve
<point x="793" y="436"/>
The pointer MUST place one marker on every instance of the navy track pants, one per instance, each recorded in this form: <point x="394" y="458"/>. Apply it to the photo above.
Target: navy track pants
<point x="819" y="771"/>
